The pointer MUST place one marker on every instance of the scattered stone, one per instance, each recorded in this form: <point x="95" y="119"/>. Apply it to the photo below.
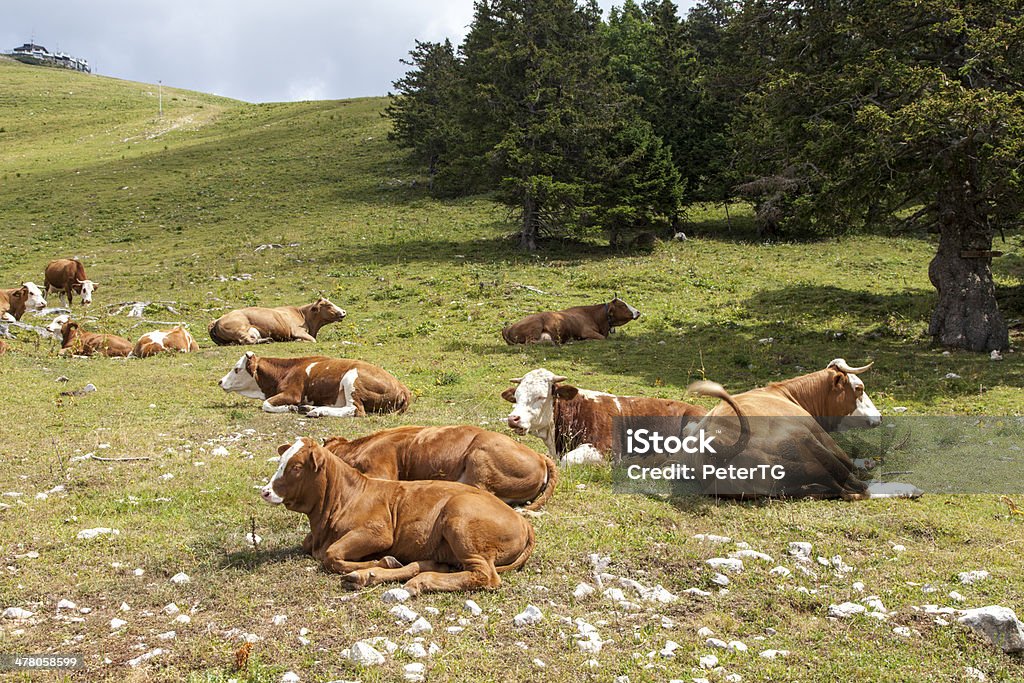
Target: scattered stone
<point x="180" y="579"/>
<point x="396" y="595"/>
<point x="800" y="549"/>
<point x="752" y="554"/>
<point x="720" y="580"/>
<point x="975" y="674"/>
<point x="997" y="624"/>
<point x="145" y="657"/>
<point x="698" y="592"/>
<point x="403" y="613"/>
<point x="858" y="586"/>
<point x="704" y="632"/>
<point x="279" y="619"/>
<point x="167" y="635"/>
<point x="220" y="451"/>
<point x="670" y="649"/>
<point x="182" y="619"/>
<point x="898" y="548"/>
<point x="774" y="654"/>
<point x="530" y="616"/>
<point x="712" y="538"/>
<point x="116" y="623"/>
<point x="363" y="654"/>
<point x="708" y="662"/>
<point x="903" y="631"/>
<point x="951" y="375"/>
<point x="583" y="590"/>
<point x="730" y="564"/>
<point x="953" y="595"/>
<point x="737" y="646"/>
<point x="421" y="625"/>
<point x="975" y="576"/>
<point x="539" y="663"/>
<point x="780" y="571"/>
<point x="66" y="604"/>
<point x="716" y="643"/>
<point x="846" y="610"/>
<point x="88" y="534"/>
<point x="473" y="608"/>
<point x="995" y="355"/>
<point x="16" y="613"/>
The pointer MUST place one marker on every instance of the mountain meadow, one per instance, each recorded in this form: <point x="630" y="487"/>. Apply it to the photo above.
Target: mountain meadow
<point x="219" y="204"/>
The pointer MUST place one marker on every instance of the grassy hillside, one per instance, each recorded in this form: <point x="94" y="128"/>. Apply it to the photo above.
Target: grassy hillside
<point x="173" y="210"/>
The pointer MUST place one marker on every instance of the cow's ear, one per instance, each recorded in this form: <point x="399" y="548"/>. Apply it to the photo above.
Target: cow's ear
<point x="19" y="294"/>
<point x="283" y="447"/>
<point x="95" y="286"/>
<point x="319" y="456"/>
<point x="840" y="380"/>
<point x="566" y="391"/>
<point x="334" y="441"/>
<point x="509" y="394"/>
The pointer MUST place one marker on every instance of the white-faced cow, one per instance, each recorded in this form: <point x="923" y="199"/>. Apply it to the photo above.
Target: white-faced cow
<point x="14" y="302"/>
<point x="463" y="453"/>
<point x="175" y="339"/>
<point x="579" y="323"/>
<point x="317" y="385"/>
<point x="577" y="423"/>
<point x="784" y="424"/>
<point x="78" y="342"/>
<point x="257" y="324"/>
<point x="434" y="535"/>
<point x="66" y="276"/>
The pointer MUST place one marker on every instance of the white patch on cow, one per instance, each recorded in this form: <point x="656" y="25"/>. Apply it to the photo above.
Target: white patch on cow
<point x="270" y="408"/>
<point x="591" y="395"/>
<point x="632" y="311"/>
<point x="8" y="317"/>
<point x="57" y="323"/>
<point x="157" y="338"/>
<point x="338" y="311"/>
<point x="240" y="381"/>
<point x="347" y="388"/>
<point x="309" y="368"/>
<point x="865" y="415"/>
<point x="583" y="455"/>
<point x="534" y="409"/>
<point x="253" y="336"/>
<point x="332" y="411"/>
<point x="35" y="299"/>
<point x="545" y="337"/>
<point x="267" y="492"/>
<point x="87" y="287"/>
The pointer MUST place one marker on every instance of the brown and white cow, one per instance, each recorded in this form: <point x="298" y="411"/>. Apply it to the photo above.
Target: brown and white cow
<point x="66" y="276"/>
<point x="576" y="423"/>
<point x="160" y="341"/>
<point x="578" y="323"/>
<point x="14" y="302"/>
<point x="434" y="535"/>
<point x="317" y="385"/>
<point x="78" y="342"/>
<point x="784" y="424"/>
<point x="257" y="324"/>
<point x="463" y="453"/>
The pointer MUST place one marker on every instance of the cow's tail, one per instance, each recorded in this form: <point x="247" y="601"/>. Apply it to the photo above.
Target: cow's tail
<point x="531" y="541"/>
<point x="549" y="486"/>
<point x="724" y="452"/>
<point x="217" y="339"/>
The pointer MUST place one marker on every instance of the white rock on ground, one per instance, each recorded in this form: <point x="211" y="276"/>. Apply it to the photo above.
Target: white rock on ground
<point x="726" y="564"/>
<point x="998" y="625"/>
<point x="403" y="613"/>
<point x="975" y="576"/>
<point x="716" y="643"/>
<point x="116" y="623"/>
<point x="737" y="646"/>
<point x="752" y="554"/>
<point x="780" y="571"/>
<point x="846" y="610"/>
<point x="16" y="613"/>
<point x="903" y="631"/>
<point x="279" y="619"/>
<point x="670" y="649"/>
<point x="88" y="534"/>
<point x="800" y="549"/>
<point x="181" y="578"/>
<point x="170" y="609"/>
<point x="66" y="604"/>
<point x="419" y="626"/>
<point x="363" y="654"/>
<point x="473" y="608"/>
<point x="583" y="590"/>
<point x="953" y="595"/>
<point x="396" y="595"/>
<point x="704" y="632"/>
<point x="145" y="657"/>
<point x="290" y="677"/>
<point x="713" y="538"/>
<point x="975" y="674"/>
<point x="774" y="654"/>
<point x="708" y="662"/>
<point x="530" y="616"/>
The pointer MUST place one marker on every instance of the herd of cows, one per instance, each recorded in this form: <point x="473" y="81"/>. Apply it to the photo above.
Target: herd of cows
<point x="435" y="506"/>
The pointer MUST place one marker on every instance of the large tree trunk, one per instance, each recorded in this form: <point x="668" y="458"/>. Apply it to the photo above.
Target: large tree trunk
<point x="967" y="315"/>
<point x="528" y="233"/>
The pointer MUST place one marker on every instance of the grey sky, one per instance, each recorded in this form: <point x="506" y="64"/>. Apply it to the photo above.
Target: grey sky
<point x="258" y="50"/>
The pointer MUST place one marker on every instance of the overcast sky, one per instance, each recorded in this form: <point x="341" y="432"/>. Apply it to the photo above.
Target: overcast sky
<point x="253" y="50"/>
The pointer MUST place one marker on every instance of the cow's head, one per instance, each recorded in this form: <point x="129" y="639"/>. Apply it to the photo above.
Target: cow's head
<point x="293" y="484"/>
<point x="87" y="287"/>
<point x="57" y="324"/>
<point x="620" y="313"/>
<point x="34" y="300"/>
<point x="324" y="310"/>
<point x="534" y="397"/>
<point x="847" y="399"/>
<point x="241" y="379"/>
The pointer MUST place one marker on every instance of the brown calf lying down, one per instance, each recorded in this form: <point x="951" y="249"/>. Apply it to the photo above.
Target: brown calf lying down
<point x="14" y="302"/>
<point x="175" y="339"/>
<point x="257" y="324"/>
<point x="435" y="535"/>
<point x="577" y="423"/>
<point x="579" y="323"/>
<point x="78" y="342"/>
<point x="338" y="387"/>
<point x="67" y="277"/>
<point x="463" y="453"/>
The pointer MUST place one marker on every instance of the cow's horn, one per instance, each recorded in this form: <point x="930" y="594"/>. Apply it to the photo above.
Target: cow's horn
<point x="516" y="380"/>
<point x="558" y="378"/>
<point x="840" y="364"/>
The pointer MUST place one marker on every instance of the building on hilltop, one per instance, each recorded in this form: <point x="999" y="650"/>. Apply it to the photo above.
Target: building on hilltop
<point x="30" y="53"/>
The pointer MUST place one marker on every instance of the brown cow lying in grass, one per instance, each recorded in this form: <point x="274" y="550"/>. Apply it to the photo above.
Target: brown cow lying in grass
<point x="174" y="339"/>
<point x="463" y="453"/>
<point x="78" y="342"/>
<point x="257" y="324"/>
<point x="434" y="535"/>
<point x="578" y="323"/>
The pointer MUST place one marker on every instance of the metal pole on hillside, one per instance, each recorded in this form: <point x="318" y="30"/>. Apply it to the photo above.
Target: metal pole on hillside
<point x="160" y="88"/>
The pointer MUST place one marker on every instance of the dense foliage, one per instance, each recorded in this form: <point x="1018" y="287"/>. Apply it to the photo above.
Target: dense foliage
<point x="828" y="117"/>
